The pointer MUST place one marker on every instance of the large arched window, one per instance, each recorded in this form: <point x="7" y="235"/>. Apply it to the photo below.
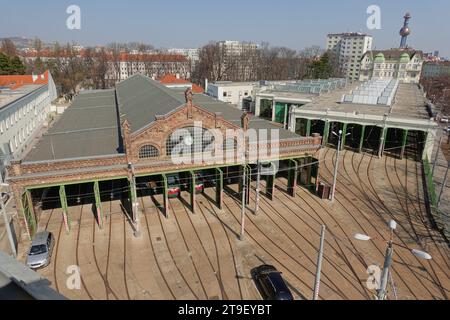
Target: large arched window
<point x="148" y="151"/>
<point x="189" y="139"/>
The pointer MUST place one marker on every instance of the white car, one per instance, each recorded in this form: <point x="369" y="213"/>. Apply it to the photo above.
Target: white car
<point x="444" y="120"/>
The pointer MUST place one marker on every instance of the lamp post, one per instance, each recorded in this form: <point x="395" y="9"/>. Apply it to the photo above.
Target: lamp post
<point x="7" y="223"/>
<point x="382" y="292"/>
<point x="336" y="165"/>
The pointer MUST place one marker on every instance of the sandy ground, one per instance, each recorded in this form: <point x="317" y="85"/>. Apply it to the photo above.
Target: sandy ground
<point x="198" y="256"/>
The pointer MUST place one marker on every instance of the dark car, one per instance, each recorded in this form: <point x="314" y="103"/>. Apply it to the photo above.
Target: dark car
<point x="271" y="284"/>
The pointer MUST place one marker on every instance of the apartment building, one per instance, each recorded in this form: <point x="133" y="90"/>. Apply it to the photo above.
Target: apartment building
<point x="349" y="48"/>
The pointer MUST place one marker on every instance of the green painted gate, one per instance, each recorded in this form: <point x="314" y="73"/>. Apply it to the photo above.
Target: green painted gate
<point x="28" y="211"/>
<point x="280" y="112"/>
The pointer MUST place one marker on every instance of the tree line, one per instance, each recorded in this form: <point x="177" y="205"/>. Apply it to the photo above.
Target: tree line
<point x="10" y="63"/>
<point x="262" y="63"/>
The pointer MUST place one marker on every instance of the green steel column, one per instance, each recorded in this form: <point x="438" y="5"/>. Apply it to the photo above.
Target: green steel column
<point x="192" y="185"/>
<point x="382" y="141"/>
<point x="405" y="141"/>
<point x="270" y="186"/>
<point x="326" y="133"/>
<point x="64" y="206"/>
<point x="29" y="214"/>
<point x="219" y="188"/>
<point x="361" y="142"/>
<point x="165" y="196"/>
<point x="98" y="205"/>
<point x="309" y="173"/>
<point x="308" y="127"/>
<point x="344" y="135"/>
<point x="292" y="177"/>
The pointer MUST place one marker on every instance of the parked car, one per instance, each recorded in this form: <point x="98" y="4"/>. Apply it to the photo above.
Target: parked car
<point x="174" y="185"/>
<point x="444" y="120"/>
<point x="41" y="250"/>
<point x="271" y="284"/>
<point x="447" y="130"/>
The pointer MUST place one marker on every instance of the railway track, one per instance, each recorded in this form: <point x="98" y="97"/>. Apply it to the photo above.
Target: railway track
<point x="370" y="202"/>
<point x="321" y="221"/>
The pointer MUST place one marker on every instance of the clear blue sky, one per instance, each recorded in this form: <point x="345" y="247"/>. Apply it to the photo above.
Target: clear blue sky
<point x="183" y="23"/>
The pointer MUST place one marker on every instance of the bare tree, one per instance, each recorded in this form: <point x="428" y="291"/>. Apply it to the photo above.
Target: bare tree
<point x="9" y="48"/>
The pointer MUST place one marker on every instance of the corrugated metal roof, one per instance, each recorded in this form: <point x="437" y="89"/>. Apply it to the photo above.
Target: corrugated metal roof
<point x="90" y="126"/>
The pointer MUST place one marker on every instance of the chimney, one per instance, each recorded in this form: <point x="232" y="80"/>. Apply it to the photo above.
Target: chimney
<point x="244" y="121"/>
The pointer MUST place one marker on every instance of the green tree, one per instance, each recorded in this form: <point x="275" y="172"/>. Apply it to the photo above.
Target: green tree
<point x="4" y="64"/>
<point x="322" y="68"/>
<point x="17" y="66"/>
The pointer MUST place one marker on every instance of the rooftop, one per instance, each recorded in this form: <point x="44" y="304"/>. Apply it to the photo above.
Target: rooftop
<point x="15" y="87"/>
<point x="409" y="102"/>
<point x="90" y="126"/>
<point x="8" y="96"/>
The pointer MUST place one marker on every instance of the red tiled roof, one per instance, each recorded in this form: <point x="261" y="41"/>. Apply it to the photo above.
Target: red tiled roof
<point x="172" y="79"/>
<point x="14" y="82"/>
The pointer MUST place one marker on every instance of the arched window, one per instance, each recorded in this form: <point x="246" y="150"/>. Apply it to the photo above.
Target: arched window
<point x="147" y="152"/>
<point x="193" y="138"/>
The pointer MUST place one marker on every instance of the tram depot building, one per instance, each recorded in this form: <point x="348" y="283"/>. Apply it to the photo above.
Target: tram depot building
<point x="114" y="143"/>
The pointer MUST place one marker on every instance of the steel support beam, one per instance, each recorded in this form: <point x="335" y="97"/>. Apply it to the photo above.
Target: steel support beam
<point x="98" y="205"/>
<point x="270" y="186"/>
<point x="192" y="190"/>
<point x="326" y="133"/>
<point x="308" y="127"/>
<point x="383" y="137"/>
<point x="248" y="183"/>
<point x="219" y="188"/>
<point x="165" y="196"/>
<point x="309" y="172"/>
<point x="361" y="142"/>
<point x="405" y="141"/>
<point x="344" y="135"/>
<point x="292" y="177"/>
<point x="65" y="207"/>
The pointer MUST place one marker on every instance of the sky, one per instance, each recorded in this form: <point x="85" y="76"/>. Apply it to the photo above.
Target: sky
<point x="182" y="23"/>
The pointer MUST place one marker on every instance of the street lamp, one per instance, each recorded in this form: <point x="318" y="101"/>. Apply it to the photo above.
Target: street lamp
<point x="336" y="165"/>
<point x="382" y="292"/>
<point x="7" y="223"/>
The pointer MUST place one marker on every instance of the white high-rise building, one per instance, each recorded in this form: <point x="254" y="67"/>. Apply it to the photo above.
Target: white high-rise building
<point x="349" y="48"/>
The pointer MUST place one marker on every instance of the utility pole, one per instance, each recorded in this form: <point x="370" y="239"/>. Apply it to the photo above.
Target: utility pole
<point x="8" y="226"/>
<point x="134" y="202"/>
<point x="382" y="293"/>
<point x="385" y="276"/>
<point x="244" y="198"/>
<point x="336" y="165"/>
<point x="444" y="185"/>
<point x="258" y="182"/>
<point x="319" y="264"/>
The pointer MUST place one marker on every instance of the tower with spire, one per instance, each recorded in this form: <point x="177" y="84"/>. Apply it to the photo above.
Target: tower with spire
<point x="405" y="31"/>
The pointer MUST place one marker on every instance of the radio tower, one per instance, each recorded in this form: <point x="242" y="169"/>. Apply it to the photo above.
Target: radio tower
<point x="405" y="31"/>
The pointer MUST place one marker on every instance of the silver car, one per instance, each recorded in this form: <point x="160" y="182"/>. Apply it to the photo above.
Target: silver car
<point x="41" y="250"/>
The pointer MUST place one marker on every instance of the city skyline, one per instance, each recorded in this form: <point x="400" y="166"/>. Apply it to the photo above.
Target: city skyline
<point x="194" y="26"/>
